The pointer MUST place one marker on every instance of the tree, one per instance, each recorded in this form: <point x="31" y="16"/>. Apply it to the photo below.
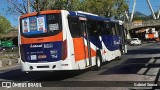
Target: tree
<point x="20" y="7"/>
<point x="121" y="6"/>
<point x="107" y="8"/>
<point x="5" y="26"/>
<point x="16" y="7"/>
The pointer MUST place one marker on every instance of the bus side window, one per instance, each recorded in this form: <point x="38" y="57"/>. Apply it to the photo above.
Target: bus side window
<point x="101" y="27"/>
<point x="118" y="30"/>
<point x="74" y="27"/>
<point x="122" y="30"/>
<point x="107" y="29"/>
<point x="112" y="28"/>
<point x="92" y="27"/>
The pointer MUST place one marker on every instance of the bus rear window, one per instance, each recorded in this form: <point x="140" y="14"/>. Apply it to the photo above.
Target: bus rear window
<point x="41" y="25"/>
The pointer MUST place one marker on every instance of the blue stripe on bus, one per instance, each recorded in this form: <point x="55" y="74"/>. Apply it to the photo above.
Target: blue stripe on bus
<point x="96" y="41"/>
<point x="111" y="42"/>
<point x="89" y="16"/>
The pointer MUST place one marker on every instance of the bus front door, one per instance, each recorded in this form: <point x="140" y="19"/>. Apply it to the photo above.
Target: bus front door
<point x="87" y="47"/>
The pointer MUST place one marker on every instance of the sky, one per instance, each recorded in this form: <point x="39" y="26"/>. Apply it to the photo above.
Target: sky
<point x="141" y="6"/>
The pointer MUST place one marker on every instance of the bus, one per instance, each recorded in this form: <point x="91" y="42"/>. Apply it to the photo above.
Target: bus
<point x="68" y="40"/>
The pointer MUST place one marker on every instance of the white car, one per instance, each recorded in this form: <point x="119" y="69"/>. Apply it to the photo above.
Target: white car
<point x="135" y="41"/>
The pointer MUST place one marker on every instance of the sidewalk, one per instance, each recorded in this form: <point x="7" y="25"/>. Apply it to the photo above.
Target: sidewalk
<point x="8" y="59"/>
<point x="8" y="62"/>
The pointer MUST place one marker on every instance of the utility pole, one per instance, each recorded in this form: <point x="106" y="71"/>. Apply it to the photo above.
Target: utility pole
<point x="134" y="5"/>
<point x="158" y="13"/>
<point x="126" y="13"/>
<point x="28" y="5"/>
<point x="149" y="4"/>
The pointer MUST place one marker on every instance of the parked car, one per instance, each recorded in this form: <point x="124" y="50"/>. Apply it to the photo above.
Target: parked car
<point x="135" y="41"/>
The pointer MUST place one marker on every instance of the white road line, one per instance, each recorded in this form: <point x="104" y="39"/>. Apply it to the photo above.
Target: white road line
<point x="152" y="71"/>
<point x="158" y="61"/>
<point x="152" y="60"/>
<point x="141" y="71"/>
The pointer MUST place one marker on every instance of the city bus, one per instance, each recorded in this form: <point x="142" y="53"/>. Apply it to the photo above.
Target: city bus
<point x="68" y="40"/>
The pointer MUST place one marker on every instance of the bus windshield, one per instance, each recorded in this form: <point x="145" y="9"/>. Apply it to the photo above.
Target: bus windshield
<point x="41" y="25"/>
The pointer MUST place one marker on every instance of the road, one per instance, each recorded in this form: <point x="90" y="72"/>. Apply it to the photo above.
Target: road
<point x="139" y="67"/>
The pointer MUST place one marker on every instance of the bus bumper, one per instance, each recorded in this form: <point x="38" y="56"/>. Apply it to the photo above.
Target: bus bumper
<point x="47" y="66"/>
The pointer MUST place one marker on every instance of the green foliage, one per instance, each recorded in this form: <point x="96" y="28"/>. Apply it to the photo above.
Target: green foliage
<point x="107" y="8"/>
<point x="141" y="16"/>
<point x="5" y="25"/>
<point x="121" y="6"/>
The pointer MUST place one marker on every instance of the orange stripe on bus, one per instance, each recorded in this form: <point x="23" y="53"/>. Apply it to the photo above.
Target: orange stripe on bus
<point x="41" y="12"/>
<point x="80" y="50"/>
<point x="54" y="38"/>
<point x="50" y="12"/>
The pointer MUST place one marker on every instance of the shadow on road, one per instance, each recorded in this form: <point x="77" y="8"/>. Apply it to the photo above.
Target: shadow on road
<point x="18" y="75"/>
<point x="131" y="66"/>
<point x="134" y="64"/>
<point x="148" y="51"/>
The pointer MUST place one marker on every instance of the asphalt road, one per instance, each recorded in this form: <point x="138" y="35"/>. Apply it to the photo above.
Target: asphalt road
<point x="139" y="67"/>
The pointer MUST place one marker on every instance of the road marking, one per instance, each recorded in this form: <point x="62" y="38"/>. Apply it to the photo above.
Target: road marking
<point x="141" y="71"/>
<point x="158" y="61"/>
<point x="152" y="71"/>
<point x="152" y="60"/>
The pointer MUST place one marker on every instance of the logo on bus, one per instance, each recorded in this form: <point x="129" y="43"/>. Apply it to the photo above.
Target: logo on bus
<point x="50" y="45"/>
<point x="36" y="46"/>
<point x="54" y="53"/>
<point x="42" y="56"/>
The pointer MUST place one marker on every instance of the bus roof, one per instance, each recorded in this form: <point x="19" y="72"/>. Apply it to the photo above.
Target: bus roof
<point x="88" y="15"/>
<point x="41" y="12"/>
<point x="72" y="13"/>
